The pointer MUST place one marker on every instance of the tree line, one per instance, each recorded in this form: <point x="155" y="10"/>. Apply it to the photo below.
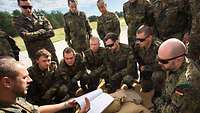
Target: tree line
<point x="55" y="17"/>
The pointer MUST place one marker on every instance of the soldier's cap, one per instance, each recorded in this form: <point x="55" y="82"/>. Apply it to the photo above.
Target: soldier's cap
<point x="112" y="36"/>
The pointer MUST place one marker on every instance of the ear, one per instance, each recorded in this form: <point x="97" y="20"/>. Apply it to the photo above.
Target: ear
<point x="7" y="82"/>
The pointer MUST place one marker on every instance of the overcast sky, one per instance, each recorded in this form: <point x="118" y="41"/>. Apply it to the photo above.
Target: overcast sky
<point x="88" y="6"/>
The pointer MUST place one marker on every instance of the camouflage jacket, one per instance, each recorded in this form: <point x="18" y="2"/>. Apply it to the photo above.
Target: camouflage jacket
<point x="108" y="22"/>
<point x="195" y="18"/>
<point x="181" y="92"/>
<point x="96" y="63"/>
<point x="71" y="74"/>
<point x="137" y="13"/>
<point x="5" y="47"/>
<point x="147" y="57"/>
<point x="122" y="61"/>
<point x="173" y="18"/>
<point x="36" y="32"/>
<point x="77" y="28"/>
<point x="42" y="82"/>
<point x="21" y="106"/>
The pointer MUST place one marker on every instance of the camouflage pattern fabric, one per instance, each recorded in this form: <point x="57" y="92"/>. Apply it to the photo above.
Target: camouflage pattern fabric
<point x="36" y="32"/>
<point x="108" y="22"/>
<point x="77" y="30"/>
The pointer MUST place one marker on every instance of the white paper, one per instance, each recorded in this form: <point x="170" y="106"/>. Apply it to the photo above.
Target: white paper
<point x="98" y="100"/>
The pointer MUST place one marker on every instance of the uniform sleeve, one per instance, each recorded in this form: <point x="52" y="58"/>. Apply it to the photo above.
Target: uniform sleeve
<point x="48" y="27"/>
<point x="67" y="32"/>
<point x="88" y="28"/>
<point x="117" y="29"/>
<point x="34" y="35"/>
<point x="100" y="29"/>
<point x="124" y="11"/>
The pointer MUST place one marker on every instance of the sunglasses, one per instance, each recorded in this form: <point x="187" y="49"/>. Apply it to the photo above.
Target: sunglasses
<point x="110" y="45"/>
<point x="166" y="61"/>
<point x="26" y="7"/>
<point x="141" y="40"/>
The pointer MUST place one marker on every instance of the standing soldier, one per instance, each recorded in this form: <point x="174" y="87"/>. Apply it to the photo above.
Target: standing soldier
<point x="8" y="46"/>
<point x="136" y="13"/>
<point x="96" y="62"/>
<point x="172" y="19"/>
<point x="35" y="30"/>
<point x="107" y="22"/>
<point x="42" y="74"/>
<point x="77" y="28"/>
<point x="119" y="56"/>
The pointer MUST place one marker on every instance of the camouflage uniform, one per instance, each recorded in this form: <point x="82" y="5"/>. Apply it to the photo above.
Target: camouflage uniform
<point x="77" y="30"/>
<point x="146" y="59"/>
<point x="119" y="63"/>
<point x="70" y="75"/>
<point x="108" y="22"/>
<point x="42" y="82"/>
<point x="135" y="14"/>
<point x="21" y="106"/>
<point x="96" y="63"/>
<point x="36" y="32"/>
<point x="181" y="91"/>
<point x="195" y="18"/>
<point x="173" y="18"/>
<point x="8" y="46"/>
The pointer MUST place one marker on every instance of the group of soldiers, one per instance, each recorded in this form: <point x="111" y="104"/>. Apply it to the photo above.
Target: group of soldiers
<point x="161" y="35"/>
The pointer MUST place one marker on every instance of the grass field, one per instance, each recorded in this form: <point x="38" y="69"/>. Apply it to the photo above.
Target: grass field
<point x="60" y="35"/>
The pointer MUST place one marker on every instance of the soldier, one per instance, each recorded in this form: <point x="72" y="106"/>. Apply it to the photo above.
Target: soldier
<point x="181" y="91"/>
<point x="35" y="30"/>
<point x="96" y="62"/>
<point x="173" y="19"/>
<point x="77" y="28"/>
<point x="119" y="57"/>
<point x="71" y="70"/>
<point x="145" y="51"/>
<point x="107" y="22"/>
<point x="136" y="13"/>
<point x="151" y="74"/>
<point x="8" y="46"/>
<point x="14" y="82"/>
<point x="42" y="73"/>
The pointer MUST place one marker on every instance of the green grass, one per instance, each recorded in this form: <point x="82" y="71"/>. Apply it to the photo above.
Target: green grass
<point x="60" y="35"/>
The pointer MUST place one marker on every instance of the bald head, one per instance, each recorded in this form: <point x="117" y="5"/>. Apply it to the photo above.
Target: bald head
<point x="171" y="48"/>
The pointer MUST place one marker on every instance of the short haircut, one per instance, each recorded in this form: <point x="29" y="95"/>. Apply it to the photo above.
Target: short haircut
<point x="94" y="38"/>
<point x="68" y="50"/>
<point x="18" y="1"/>
<point x="112" y="36"/>
<point x="145" y="29"/>
<point x="42" y="52"/>
<point x="72" y="1"/>
<point x="100" y="2"/>
<point x="8" y="67"/>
